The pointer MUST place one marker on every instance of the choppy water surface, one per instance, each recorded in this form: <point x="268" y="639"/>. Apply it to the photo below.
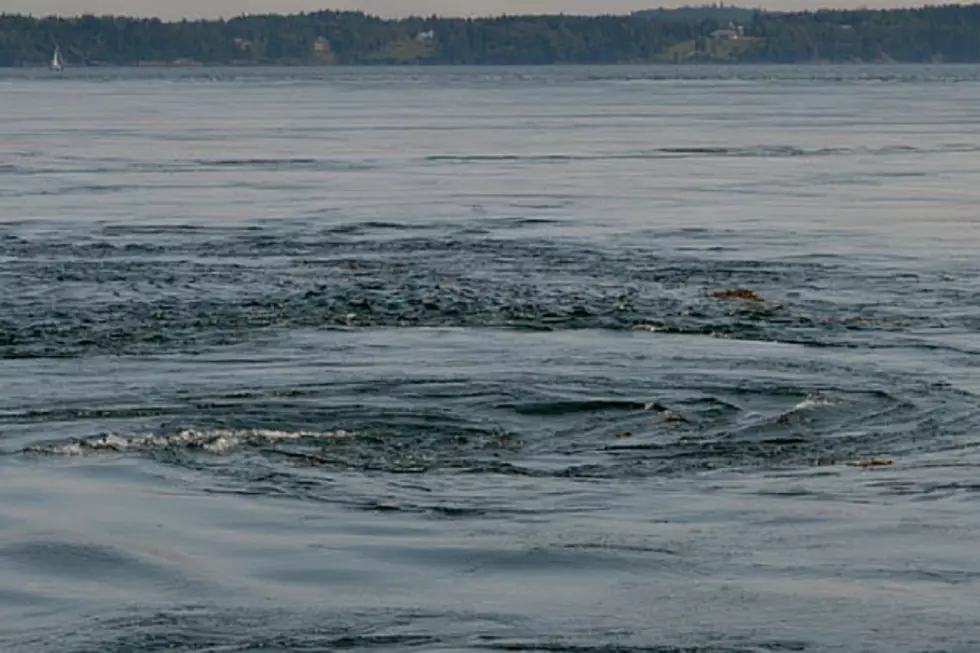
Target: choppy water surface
<point x="499" y="359"/>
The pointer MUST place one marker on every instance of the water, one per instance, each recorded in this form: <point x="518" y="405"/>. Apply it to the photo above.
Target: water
<point x="445" y="359"/>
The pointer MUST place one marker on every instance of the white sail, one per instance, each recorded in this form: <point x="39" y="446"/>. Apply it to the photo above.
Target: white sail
<point x="56" y="61"/>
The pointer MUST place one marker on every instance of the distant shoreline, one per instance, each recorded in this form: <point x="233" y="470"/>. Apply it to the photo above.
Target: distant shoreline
<point x="691" y="35"/>
<point x="163" y="65"/>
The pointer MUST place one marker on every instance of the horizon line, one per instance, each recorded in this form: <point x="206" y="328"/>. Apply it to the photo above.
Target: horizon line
<point x="438" y="16"/>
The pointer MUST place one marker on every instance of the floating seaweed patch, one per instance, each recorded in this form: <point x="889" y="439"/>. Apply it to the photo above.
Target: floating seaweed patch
<point x="874" y="462"/>
<point x="738" y="293"/>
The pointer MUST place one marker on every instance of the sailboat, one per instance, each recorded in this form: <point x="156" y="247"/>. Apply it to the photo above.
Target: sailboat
<point x="57" y="63"/>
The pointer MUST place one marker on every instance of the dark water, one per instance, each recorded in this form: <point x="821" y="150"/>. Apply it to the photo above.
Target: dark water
<point x="443" y="360"/>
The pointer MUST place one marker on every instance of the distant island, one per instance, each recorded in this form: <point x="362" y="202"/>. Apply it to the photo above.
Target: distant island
<point x="707" y="34"/>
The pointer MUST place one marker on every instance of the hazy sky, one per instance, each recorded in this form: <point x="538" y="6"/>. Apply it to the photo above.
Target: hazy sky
<point x="196" y="8"/>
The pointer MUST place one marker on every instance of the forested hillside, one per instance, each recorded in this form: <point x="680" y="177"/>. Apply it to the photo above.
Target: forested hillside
<point x="949" y="33"/>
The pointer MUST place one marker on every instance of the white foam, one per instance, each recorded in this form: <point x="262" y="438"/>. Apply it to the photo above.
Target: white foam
<point x="213" y="441"/>
<point x="812" y="401"/>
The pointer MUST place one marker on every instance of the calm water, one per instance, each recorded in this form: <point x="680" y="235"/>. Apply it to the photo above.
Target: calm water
<point x="317" y="360"/>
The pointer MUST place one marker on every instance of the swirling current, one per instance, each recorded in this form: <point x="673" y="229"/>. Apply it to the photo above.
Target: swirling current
<point x="530" y="359"/>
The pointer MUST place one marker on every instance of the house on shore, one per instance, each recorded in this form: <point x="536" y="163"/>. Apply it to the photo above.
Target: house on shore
<point x="731" y="32"/>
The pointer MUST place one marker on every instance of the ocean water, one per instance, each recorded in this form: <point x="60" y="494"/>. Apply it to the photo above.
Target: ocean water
<point x="499" y="359"/>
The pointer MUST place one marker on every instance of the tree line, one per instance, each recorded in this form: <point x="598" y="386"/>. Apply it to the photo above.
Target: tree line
<point x="943" y="33"/>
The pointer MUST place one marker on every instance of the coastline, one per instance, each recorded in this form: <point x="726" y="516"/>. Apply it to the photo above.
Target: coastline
<point x="931" y="35"/>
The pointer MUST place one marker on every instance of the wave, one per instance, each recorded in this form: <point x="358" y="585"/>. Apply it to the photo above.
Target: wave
<point x="116" y="166"/>
<point x="571" y="407"/>
<point x="285" y="164"/>
<point x="141" y="306"/>
<point x="81" y="165"/>
<point x="709" y="151"/>
<point x="121" y="290"/>
<point x="212" y="441"/>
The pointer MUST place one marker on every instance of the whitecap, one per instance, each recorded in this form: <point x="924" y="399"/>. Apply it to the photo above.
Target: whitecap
<point x="213" y="441"/>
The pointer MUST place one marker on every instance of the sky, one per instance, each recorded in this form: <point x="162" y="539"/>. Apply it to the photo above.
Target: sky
<point x="389" y="8"/>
